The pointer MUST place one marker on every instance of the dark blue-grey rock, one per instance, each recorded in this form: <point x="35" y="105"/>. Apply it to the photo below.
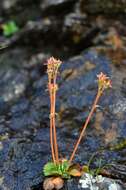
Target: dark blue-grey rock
<point x="56" y="6"/>
<point x="111" y="7"/>
<point x="24" y="132"/>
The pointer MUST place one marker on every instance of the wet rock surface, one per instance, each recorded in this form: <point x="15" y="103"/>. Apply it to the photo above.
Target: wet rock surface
<point x="24" y="120"/>
<point x="62" y="29"/>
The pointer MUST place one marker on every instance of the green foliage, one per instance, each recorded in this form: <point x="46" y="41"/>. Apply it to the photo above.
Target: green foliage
<point x="63" y="169"/>
<point x="75" y="170"/>
<point x="52" y="169"/>
<point x="66" y="170"/>
<point x="98" y="162"/>
<point x="9" y="28"/>
<point x="86" y="169"/>
<point x="119" y="145"/>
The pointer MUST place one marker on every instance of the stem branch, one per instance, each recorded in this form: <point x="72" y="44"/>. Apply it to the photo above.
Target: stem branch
<point x="85" y="125"/>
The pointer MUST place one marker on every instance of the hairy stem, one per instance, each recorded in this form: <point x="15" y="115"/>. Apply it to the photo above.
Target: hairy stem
<point x="85" y="125"/>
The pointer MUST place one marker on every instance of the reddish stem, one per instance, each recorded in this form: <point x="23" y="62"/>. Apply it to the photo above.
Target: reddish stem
<point x="54" y="125"/>
<point x="85" y="125"/>
<point x="51" y="124"/>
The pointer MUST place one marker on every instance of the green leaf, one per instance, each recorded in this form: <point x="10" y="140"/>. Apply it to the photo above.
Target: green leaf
<point x="85" y="169"/>
<point x="50" y="169"/>
<point x="63" y="169"/>
<point x="9" y="28"/>
<point x="74" y="170"/>
<point x="64" y="166"/>
<point x="75" y="173"/>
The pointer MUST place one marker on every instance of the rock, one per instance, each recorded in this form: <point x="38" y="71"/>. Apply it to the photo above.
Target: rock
<point x="89" y="182"/>
<point x="121" y="171"/>
<point x="17" y="168"/>
<point x="15" y="85"/>
<point x="77" y="32"/>
<point x="124" y="87"/>
<point x="18" y="11"/>
<point x="9" y="4"/>
<point x="13" y="80"/>
<point x="56" y="6"/>
<point x="24" y="99"/>
<point x="24" y="130"/>
<point x="107" y="7"/>
<point x="38" y="26"/>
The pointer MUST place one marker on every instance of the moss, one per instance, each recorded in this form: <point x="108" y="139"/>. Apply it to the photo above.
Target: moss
<point x="119" y="146"/>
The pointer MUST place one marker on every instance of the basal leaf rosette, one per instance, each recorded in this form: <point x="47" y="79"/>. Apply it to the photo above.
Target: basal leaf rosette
<point x="63" y="169"/>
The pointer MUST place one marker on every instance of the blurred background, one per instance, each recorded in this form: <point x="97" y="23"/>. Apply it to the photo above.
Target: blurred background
<point x="89" y="36"/>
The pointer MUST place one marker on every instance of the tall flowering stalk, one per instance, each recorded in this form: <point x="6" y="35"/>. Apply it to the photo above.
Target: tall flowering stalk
<point x="103" y="83"/>
<point x="62" y="167"/>
<point x="52" y="70"/>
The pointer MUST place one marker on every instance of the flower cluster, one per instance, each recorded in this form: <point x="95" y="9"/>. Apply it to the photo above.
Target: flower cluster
<point x="103" y="82"/>
<point x="52" y="67"/>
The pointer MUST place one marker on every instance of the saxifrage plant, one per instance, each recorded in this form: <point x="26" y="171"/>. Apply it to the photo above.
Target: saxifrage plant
<point x="59" y="166"/>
